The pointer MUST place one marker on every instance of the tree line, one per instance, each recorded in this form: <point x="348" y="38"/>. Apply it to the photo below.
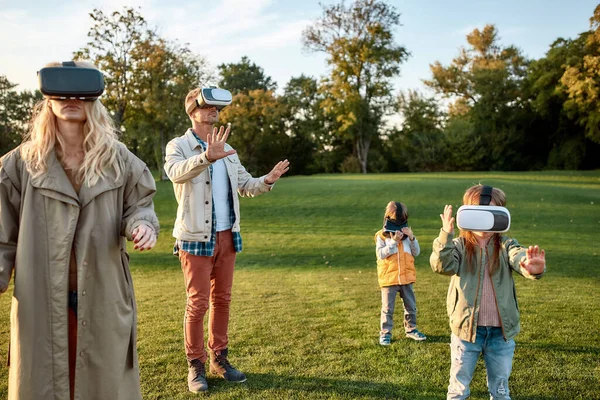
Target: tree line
<point x="491" y="108"/>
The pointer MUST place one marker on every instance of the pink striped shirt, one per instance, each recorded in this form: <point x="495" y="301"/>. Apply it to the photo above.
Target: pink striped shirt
<point x="488" y="309"/>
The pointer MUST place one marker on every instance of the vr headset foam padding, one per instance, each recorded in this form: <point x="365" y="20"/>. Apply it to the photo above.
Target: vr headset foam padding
<point x="71" y="82"/>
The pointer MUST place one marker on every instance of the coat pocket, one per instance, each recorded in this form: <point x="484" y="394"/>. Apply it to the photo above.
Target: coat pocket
<point x="131" y="349"/>
<point x="452" y="302"/>
<point x="126" y="275"/>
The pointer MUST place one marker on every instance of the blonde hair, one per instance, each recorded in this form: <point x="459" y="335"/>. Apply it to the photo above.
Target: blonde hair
<point x="99" y="144"/>
<point x="471" y="197"/>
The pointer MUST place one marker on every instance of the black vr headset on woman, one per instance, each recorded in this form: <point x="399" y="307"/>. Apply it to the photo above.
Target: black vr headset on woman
<point x="483" y="218"/>
<point x="71" y="82"/>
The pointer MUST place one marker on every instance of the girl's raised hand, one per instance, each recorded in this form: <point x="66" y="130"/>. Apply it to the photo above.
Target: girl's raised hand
<point x="447" y="219"/>
<point x="398" y="236"/>
<point x="408" y="232"/>
<point x="535" y="260"/>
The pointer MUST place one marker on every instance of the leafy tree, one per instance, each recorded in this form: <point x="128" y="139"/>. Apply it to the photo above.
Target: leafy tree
<point x="485" y="81"/>
<point x="463" y="147"/>
<point x="420" y="143"/>
<point x="113" y="38"/>
<point x="163" y="75"/>
<point x="147" y="79"/>
<point x="306" y="123"/>
<point x="359" y="42"/>
<point x="244" y="76"/>
<point x="562" y="142"/>
<point x="15" y="112"/>
<point x="258" y="129"/>
<point x="582" y="82"/>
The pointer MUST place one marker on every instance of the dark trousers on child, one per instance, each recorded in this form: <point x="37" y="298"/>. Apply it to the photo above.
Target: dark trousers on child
<point x="388" y="302"/>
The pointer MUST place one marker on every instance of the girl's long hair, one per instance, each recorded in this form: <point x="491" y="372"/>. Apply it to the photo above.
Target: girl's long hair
<point x="99" y="144"/>
<point x="471" y="197"/>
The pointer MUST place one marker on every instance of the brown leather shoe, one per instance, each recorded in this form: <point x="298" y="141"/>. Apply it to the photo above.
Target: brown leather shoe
<point x="219" y="365"/>
<point x="197" y="377"/>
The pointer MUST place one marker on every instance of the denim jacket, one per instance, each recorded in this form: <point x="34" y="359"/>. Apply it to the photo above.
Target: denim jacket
<point x="463" y="300"/>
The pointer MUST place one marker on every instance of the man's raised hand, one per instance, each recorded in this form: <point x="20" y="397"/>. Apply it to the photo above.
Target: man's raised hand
<point x="215" y="144"/>
<point x="281" y="168"/>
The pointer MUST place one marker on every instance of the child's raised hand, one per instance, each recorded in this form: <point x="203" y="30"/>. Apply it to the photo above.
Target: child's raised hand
<point x="397" y="236"/>
<point x="408" y="232"/>
<point x="447" y="219"/>
<point x="535" y="260"/>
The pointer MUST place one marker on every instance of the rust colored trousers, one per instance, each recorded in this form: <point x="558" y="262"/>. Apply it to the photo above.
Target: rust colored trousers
<point x="208" y="282"/>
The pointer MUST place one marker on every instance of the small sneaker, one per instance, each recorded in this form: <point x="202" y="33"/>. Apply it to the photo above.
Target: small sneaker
<point x="219" y="365"/>
<point x="385" y="339"/>
<point x="197" y="377"/>
<point x="416" y="335"/>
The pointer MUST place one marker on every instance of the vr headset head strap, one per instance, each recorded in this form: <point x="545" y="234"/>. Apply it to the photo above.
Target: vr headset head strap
<point x="486" y="196"/>
<point x="68" y="64"/>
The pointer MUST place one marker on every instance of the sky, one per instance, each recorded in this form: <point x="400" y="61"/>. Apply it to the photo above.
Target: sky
<point x="269" y="32"/>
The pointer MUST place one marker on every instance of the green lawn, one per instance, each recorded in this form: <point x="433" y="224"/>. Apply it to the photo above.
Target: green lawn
<point x="305" y="309"/>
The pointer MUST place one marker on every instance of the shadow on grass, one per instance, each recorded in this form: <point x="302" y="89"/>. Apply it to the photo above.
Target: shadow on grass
<point x="311" y="387"/>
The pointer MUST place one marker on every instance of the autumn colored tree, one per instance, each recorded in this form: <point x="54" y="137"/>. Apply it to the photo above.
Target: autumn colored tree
<point x="147" y="79"/>
<point x="484" y="84"/>
<point x="582" y="82"/>
<point x="361" y="50"/>
<point x="112" y="40"/>
<point x="258" y="130"/>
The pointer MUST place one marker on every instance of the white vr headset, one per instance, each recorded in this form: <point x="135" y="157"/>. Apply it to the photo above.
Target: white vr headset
<point x="483" y="218"/>
<point x="211" y="97"/>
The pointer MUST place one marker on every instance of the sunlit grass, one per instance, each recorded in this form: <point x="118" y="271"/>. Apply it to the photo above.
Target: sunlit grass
<point x="305" y="308"/>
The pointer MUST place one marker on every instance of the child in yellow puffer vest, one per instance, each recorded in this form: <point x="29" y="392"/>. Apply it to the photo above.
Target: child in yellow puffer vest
<point x="396" y="246"/>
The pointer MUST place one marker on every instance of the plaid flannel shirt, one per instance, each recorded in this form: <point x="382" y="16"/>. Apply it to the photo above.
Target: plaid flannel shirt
<point x="208" y="248"/>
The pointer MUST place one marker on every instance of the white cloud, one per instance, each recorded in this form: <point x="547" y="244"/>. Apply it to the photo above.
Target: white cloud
<point x="31" y="40"/>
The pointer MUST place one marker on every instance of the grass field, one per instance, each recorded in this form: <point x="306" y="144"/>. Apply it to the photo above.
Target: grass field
<point x="305" y="308"/>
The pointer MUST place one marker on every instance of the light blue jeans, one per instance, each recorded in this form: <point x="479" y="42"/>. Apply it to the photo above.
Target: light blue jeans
<point x="497" y="354"/>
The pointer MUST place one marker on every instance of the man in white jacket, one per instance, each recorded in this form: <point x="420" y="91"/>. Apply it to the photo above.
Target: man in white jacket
<point x="205" y="172"/>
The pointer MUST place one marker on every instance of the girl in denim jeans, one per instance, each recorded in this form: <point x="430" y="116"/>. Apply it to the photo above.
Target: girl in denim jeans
<point x="481" y="302"/>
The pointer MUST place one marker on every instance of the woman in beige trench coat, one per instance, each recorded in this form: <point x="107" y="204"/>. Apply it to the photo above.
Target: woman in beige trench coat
<point x="70" y="195"/>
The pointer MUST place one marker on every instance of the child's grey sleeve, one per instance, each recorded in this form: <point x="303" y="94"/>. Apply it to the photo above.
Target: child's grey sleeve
<point x="385" y="248"/>
<point x="415" y="249"/>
